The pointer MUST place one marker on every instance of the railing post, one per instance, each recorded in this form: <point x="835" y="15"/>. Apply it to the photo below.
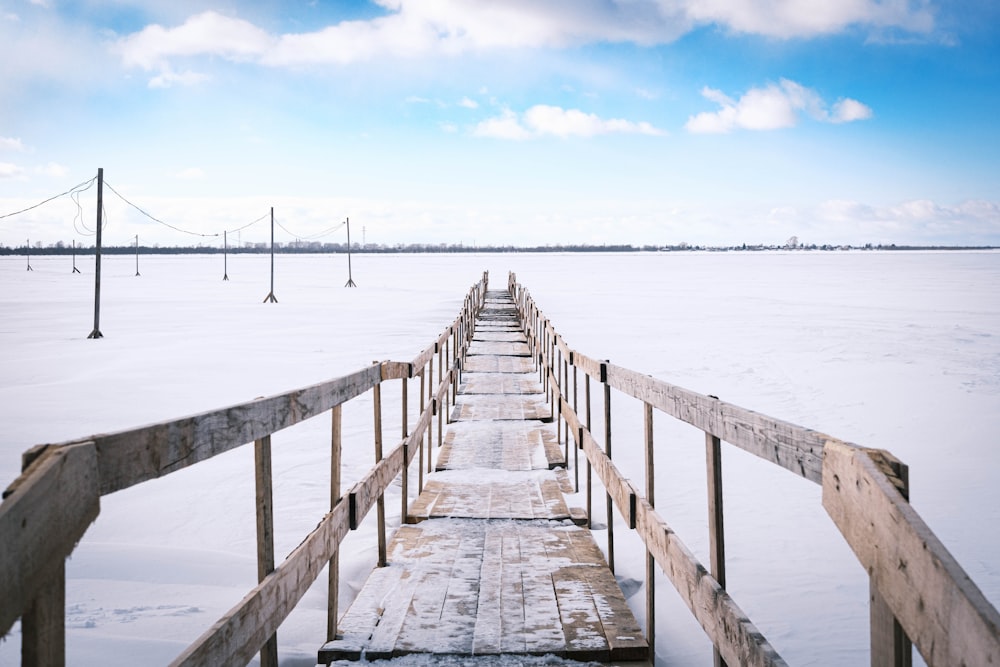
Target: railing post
<point x="608" y="502"/>
<point x="576" y="450"/>
<point x="405" y="475"/>
<point x="716" y="533"/>
<point x="380" y="503"/>
<point x="563" y="386"/>
<point x="590" y="495"/>
<point x="890" y="647"/>
<point x="43" y="625"/>
<point x="650" y="561"/>
<point x="265" y="533"/>
<point x="333" y="590"/>
<point x="425" y="434"/>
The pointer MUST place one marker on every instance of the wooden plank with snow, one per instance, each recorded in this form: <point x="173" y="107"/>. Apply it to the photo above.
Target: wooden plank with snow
<point x="500" y="383"/>
<point x="500" y="445"/>
<point x="507" y="496"/>
<point x="469" y="588"/>
<point x="481" y="363"/>
<point x="501" y="407"/>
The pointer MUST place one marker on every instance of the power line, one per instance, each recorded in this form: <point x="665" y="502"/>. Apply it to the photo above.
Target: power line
<point x="88" y="183"/>
<point x="154" y="219"/>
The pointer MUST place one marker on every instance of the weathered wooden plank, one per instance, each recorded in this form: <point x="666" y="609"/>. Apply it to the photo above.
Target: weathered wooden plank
<point x="397" y="370"/>
<point x="43" y="625"/>
<point x="137" y="455"/>
<point x="940" y="608"/>
<point x="739" y="641"/>
<point x="47" y="511"/>
<point x="792" y="447"/>
<point x="239" y="635"/>
<point x="499" y="383"/>
<point x="369" y="489"/>
<point x="581" y="624"/>
<point x="499" y="445"/>
<point x="501" y="407"/>
<point x="489" y="618"/>
<point x="505" y="349"/>
<point x="498" y="364"/>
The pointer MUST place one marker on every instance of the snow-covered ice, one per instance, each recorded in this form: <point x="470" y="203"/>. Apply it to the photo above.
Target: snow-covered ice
<point x="896" y="350"/>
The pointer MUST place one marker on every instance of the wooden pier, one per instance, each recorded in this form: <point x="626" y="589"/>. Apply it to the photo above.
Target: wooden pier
<point x="493" y="561"/>
<point x="490" y="562"/>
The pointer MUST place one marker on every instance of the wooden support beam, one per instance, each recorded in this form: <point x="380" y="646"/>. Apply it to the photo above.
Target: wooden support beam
<point x="333" y="587"/>
<point x="716" y="531"/>
<point x="647" y="417"/>
<point x="45" y="512"/>
<point x="938" y="606"/>
<point x="265" y="533"/>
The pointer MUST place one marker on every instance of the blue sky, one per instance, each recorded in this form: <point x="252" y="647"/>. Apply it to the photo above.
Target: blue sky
<point x="521" y="122"/>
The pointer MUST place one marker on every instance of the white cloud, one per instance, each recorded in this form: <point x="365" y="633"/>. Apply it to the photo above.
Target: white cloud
<point x="468" y="103"/>
<point x="772" y="107"/>
<point x="504" y="126"/>
<point x="8" y="170"/>
<point x="11" y="144"/>
<point x="417" y="28"/>
<point x="168" y="78"/>
<point x="544" y="120"/>
<point x="208" y="33"/>
<point x="805" y="18"/>
<point x="847" y="110"/>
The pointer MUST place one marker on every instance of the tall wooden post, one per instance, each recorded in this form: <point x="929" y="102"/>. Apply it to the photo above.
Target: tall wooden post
<point x="890" y="647"/>
<point x="576" y="450"/>
<point x="265" y="533"/>
<point x="716" y="532"/>
<point x="270" y="295"/>
<point x="96" y="333"/>
<point x="590" y="494"/>
<point x="608" y="501"/>
<point x="43" y="625"/>
<point x="333" y="590"/>
<point x="380" y="503"/>
<point x="350" y="278"/>
<point x="405" y="477"/>
<point x="650" y="561"/>
<point x="225" y="255"/>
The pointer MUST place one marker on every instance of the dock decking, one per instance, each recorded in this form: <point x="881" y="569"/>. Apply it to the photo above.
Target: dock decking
<point x="492" y="561"/>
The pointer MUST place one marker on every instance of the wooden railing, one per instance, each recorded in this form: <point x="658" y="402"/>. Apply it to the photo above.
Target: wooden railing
<point x="918" y="591"/>
<point x="48" y="508"/>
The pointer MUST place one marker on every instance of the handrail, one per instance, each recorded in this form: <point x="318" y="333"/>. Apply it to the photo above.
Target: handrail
<point x="48" y="508"/>
<point x="919" y="591"/>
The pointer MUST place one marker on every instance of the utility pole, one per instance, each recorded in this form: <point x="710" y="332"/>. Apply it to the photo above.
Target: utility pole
<point x="225" y="255"/>
<point x="136" y="254"/>
<point x="96" y="333"/>
<point x="27" y="252"/>
<point x="270" y="295"/>
<point x="75" y="270"/>
<point x="350" y="280"/>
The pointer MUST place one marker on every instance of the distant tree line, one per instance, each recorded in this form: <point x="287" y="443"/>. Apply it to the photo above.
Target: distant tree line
<point x="60" y="248"/>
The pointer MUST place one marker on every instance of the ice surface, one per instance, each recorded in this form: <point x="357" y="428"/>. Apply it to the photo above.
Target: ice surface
<point x="893" y="350"/>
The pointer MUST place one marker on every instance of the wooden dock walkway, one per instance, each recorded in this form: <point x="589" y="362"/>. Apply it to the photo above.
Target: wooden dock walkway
<point x="492" y="561"/>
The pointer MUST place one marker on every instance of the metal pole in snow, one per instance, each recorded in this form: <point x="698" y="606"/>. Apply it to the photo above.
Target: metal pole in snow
<point x="350" y="280"/>
<point x="96" y="333"/>
<point x="270" y="295"/>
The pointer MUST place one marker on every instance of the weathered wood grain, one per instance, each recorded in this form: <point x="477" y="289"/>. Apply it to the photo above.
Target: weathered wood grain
<point x="729" y="628"/>
<point x="48" y="510"/>
<point x="942" y="611"/>
<point x="238" y="636"/>
<point x="137" y="455"/>
<point x="792" y="447"/>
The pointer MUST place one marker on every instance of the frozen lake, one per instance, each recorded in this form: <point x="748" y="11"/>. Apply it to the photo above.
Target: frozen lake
<point x="899" y="351"/>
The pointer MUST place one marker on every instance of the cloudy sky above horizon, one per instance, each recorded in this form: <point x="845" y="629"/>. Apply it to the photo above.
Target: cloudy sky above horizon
<point x="517" y="122"/>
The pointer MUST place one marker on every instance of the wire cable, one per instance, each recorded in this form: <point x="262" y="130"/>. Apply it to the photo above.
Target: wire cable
<point x="154" y="219"/>
<point x="42" y="203"/>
